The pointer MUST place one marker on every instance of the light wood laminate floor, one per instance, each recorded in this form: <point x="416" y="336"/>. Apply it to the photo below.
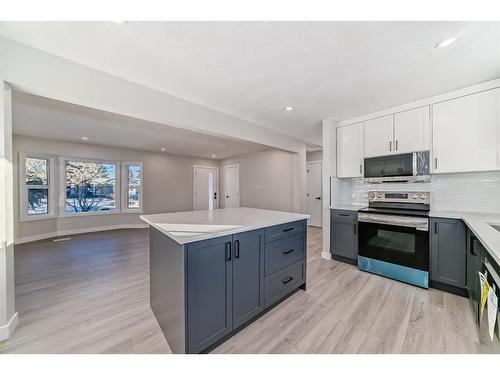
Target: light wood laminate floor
<point x="91" y="295"/>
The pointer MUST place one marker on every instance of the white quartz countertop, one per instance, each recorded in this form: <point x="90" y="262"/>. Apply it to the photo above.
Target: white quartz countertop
<point x="479" y="224"/>
<point x="347" y="207"/>
<point x="190" y="226"/>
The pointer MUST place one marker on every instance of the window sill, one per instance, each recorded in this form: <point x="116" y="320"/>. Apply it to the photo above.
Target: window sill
<point x="37" y="217"/>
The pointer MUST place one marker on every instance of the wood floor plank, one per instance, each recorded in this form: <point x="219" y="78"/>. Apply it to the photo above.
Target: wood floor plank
<point x="91" y="295"/>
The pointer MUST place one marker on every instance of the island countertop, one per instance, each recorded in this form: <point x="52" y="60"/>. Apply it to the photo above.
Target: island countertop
<point x="191" y="226"/>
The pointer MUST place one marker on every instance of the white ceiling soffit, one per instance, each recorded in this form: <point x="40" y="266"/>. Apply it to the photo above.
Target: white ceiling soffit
<point x="46" y="118"/>
<point x="253" y="70"/>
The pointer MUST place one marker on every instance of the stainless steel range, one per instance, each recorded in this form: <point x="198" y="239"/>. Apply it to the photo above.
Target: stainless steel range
<point x="394" y="236"/>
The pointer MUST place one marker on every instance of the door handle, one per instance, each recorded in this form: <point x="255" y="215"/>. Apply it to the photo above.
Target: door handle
<point x="317" y="198"/>
<point x="228" y="250"/>
<point x="286" y="280"/>
<point x="237" y="249"/>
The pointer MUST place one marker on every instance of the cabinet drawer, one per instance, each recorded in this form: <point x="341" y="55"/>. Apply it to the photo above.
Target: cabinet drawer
<point x="284" y="230"/>
<point x="344" y="215"/>
<point x="281" y="253"/>
<point x="284" y="281"/>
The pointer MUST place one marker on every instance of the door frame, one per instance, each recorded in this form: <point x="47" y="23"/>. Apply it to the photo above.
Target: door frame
<point x="225" y="182"/>
<point x="216" y="204"/>
<point x="320" y="162"/>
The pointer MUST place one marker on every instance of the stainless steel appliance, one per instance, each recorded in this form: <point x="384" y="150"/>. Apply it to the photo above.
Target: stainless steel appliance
<point x="411" y="167"/>
<point x="393" y="236"/>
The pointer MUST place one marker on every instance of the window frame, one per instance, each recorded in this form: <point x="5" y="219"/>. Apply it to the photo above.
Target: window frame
<point x="124" y="183"/>
<point x="62" y="187"/>
<point x="24" y="188"/>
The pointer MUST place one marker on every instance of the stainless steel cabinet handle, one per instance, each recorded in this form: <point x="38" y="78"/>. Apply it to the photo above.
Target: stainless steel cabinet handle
<point x="435" y="163"/>
<point x="396" y="145"/>
<point x="360" y="169"/>
<point x="390" y="145"/>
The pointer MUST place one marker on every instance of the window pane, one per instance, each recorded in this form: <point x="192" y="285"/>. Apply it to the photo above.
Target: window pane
<point x="90" y="186"/>
<point x="38" y="201"/>
<point x="36" y="171"/>
<point x="134" y="186"/>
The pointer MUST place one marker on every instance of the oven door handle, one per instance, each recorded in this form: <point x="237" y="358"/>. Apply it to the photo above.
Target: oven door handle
<point x="418" y="223"/>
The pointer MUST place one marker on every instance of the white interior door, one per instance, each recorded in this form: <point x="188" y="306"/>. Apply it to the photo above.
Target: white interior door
<point x="313" y="197"/>
<point x="232" y="186"/>
<point x="206" y="182"/>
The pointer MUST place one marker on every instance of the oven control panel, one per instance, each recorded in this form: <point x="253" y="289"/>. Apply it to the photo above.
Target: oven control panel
<point x="400" y="196"/>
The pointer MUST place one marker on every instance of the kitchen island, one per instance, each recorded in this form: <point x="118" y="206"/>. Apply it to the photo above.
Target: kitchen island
<point x="213" y="272"/>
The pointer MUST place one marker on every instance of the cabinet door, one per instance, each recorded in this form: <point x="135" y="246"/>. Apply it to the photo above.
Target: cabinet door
<point x="379" y="135"/>
<point x="411" y="130"/>
<point x="474" y="265"/>
<point x="466" y="133"/>
<point x="350" y="151"/>
<point x="209" y="292"/>
<point x="248" y="276"/>
<point x="344" y="235"/>
<point x="448" y="252"/>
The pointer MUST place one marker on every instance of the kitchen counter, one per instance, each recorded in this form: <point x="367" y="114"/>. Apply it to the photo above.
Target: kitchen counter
<point x="214" y="271"/>
<point x="347" y="207"/>
<point x="191" y="226"/>
<point x="479" y="224"/>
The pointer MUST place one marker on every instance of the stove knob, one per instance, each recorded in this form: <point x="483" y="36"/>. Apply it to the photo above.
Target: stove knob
<point x="414" y="196"/>
<point x="379" y="195"/>
<point x="372" y="195"/>
<point x="423" y="196"/>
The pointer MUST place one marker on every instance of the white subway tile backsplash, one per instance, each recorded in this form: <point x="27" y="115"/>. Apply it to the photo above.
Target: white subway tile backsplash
<point x="455" y="191"/>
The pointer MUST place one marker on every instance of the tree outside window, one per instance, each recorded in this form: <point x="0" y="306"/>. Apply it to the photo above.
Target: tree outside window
<point x="90" y="186"/>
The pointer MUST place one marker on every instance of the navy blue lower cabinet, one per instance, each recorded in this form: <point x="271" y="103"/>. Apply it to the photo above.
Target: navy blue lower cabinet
<point x="203" y="292"/>
<point x="248" y="280"/>
<point x="448" y="254"/>
<point x="209" y="292"/>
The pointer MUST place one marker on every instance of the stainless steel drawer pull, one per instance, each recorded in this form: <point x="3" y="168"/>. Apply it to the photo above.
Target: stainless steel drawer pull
<point x="286" y="280"/>
<point x="287" y="230"/>
<point x="287" y="252"/>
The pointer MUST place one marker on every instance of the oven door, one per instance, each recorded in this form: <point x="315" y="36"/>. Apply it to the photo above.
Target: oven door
<point x="401" y="240"/>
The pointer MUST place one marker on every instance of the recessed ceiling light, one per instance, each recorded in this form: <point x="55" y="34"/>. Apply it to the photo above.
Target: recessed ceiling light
<point x="163" y="149"/>
<point x="446" y="43"/>
<point x="289" y="108"/>
<point x="85" y="138"/>
<point x="214" y="156"/>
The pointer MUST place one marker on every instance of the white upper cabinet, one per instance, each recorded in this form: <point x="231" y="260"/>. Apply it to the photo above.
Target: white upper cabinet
<point x="379" y="136"/>
<point x="465" y="133"/>
<point x="350" y="151"/>
<point x="411" y="130"/>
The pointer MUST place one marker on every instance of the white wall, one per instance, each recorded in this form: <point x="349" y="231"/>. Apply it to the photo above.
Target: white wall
<point x="314" y="155"/>
<point x="168" y="184"/>
<point x="266" y="179"/>
<point x="8" y="315"/>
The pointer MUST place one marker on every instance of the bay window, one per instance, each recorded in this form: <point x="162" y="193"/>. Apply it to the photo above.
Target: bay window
<point x="36" y="187"/>
<point x="89" y="187"/>
<point x="132" y="187"/>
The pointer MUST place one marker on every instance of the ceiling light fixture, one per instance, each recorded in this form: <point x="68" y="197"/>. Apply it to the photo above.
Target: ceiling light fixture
<point x="446" y="43"/>
<point x="289" y="108"/>
<point x="214" y="156"/>
<point x="85" y="138"/>
<point x="163" y="149"/>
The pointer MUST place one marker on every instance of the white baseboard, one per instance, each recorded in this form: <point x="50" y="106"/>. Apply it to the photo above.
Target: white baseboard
<point x="326" y="255"/>
<point x="44" y="236"/>
<point x="7" y="330"/>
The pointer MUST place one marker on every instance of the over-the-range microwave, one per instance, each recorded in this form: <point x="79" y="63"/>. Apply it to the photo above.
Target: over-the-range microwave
<point x="410" y="167"/>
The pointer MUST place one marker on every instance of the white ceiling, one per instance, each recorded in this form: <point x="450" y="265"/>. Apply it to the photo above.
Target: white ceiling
<point x="253" y="70"/>
<point x="46" y="118"/>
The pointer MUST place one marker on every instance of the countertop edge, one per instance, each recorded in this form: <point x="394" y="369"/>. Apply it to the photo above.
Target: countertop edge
<point x="228" y="232"/>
